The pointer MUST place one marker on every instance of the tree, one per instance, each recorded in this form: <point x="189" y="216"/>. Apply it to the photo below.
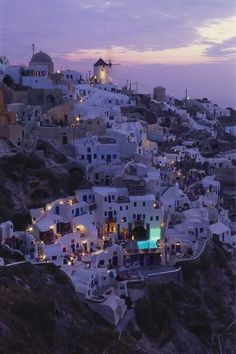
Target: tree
<point x="8" y="80"/>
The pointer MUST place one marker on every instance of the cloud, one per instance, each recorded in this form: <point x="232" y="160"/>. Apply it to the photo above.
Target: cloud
<point x="218" y="30"/>
<point x="179" y="31"/>
<point x="225" y="49"/>
<point x="184" y="55"/>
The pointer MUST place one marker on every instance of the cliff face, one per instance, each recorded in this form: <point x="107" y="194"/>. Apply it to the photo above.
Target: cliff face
<point x="41" y="314"/>
<point x="29" y="180"/>
<point x="188" y="318"/>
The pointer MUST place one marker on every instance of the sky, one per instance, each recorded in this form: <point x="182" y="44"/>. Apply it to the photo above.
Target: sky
<point x="178" y="44"/>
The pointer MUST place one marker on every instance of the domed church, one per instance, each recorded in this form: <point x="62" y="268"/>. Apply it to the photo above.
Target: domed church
<point x="41" y="64"/>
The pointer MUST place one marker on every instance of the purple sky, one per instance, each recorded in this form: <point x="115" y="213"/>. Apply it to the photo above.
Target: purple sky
<point x="175" y="43"/>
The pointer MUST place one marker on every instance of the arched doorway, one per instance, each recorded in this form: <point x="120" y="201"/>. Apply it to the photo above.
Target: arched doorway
<point x="49" y="101"/>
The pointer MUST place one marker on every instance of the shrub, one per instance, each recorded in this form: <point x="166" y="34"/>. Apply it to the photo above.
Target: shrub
<point x="21" y="220"/>
<point x="144" y="318"/>
<point x="39" y="194"/>
<point x="161" y="315"/>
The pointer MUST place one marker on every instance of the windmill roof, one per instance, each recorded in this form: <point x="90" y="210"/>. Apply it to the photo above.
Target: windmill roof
<point x="101" y="62"/>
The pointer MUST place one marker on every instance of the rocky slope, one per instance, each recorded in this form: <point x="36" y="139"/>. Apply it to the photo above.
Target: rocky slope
<point x="187" y="318"/>
<point x="30" y="180"/>
<point x="40" y="313"/>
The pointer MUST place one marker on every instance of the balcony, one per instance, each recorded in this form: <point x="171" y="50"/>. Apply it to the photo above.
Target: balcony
<point x="122" y="200"/>
<point x="110" y="220"/>
<point x="138" y="222"/>
<point x="92" y="206"/>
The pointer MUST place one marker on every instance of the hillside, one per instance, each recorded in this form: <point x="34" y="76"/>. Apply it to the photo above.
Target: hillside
<point x="187" y="318"/>
<point x="41" y="314"/>
<point x="29" y="180"/>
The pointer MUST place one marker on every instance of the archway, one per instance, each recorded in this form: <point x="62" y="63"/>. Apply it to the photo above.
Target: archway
<point x="49" y="101"/>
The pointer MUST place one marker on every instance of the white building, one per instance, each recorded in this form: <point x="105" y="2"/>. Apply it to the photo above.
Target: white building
<point x="92" y="151"/>
<point x="6" y="231"/>
<point x="222" y="231"/>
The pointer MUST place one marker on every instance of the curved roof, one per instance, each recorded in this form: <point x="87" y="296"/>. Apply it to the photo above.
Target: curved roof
<point x="41" y="57"/>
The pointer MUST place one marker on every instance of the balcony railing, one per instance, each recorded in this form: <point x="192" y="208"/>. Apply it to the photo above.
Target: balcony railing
<point x="110" y="220"/>
<point x="139" y="222"/>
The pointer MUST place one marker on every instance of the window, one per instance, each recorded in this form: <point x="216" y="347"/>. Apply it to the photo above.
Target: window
<point x="64" y="249"/>
<point x="201" y="229"/>
<point x="72" y="211"/>
<point x="114" y="156"/>
<point x="151" y="218"/>
<point x="101" y="262"/>
<point x="144" y="204"/>
<point x="114" y="212"/>
<point x="105" y="213"/>
<point x="126" y="207"/>
<point x="157" y="218"/>
<point x="102" y="157"/>
<point x="54" y="258"/>
<point x="88" y="149"/>
<point x="95" y="156"/>
<point x="105" y="199"/>
<point x="135" y="204"/>
<point x="143" y="216"/>
<point x="113" y="197"/>
<point x="82" y="157"/>
<point x="124" y="219"/>
<point x="121" y="208"/>
<point x="133" y="216"/>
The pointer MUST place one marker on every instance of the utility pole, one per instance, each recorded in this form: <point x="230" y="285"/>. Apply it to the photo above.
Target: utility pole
<point x="33" y="48"/>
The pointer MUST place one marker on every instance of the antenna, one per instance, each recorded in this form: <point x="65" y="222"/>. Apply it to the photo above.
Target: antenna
<point x="136" y="86"/>
<point x="33" y="48"/>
